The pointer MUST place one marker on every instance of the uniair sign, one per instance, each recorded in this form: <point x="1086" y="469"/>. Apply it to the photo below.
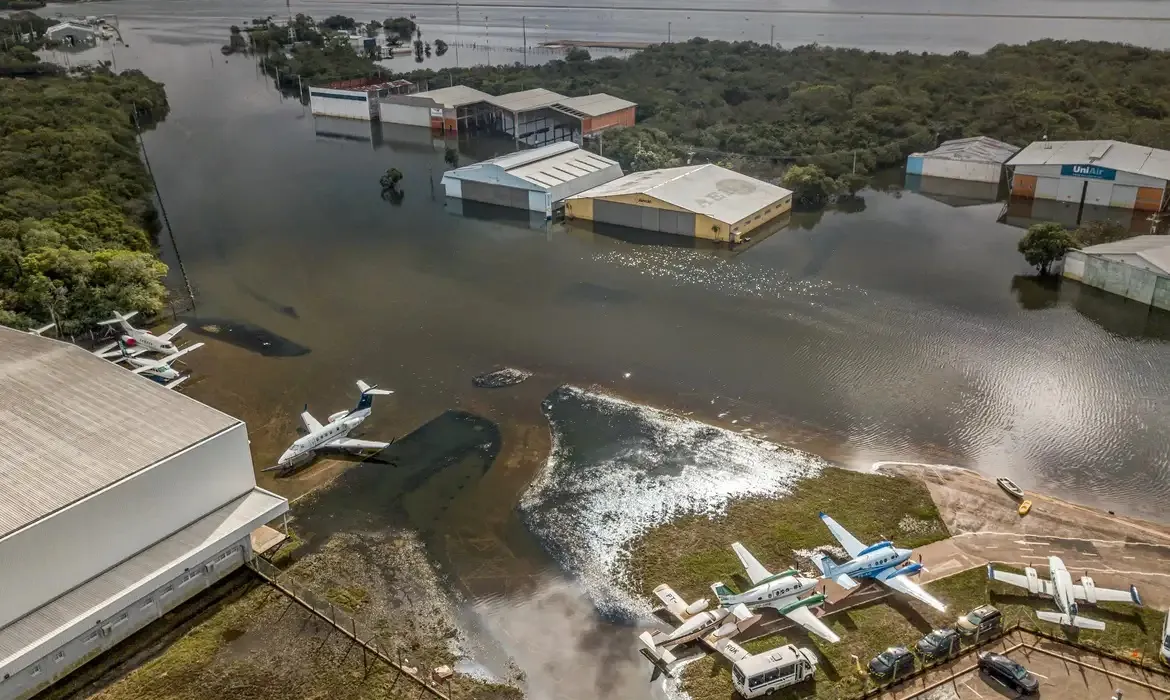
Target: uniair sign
<point x="1091" y="172"/>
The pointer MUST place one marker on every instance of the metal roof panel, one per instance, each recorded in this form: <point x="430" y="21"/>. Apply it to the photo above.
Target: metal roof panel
<point x="1116" y="155"/>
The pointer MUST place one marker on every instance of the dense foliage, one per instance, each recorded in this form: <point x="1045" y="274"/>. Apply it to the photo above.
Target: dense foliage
<point x="761" y="107"/>
<point x="75" y="200"/>
<point x="1044" y="244"/>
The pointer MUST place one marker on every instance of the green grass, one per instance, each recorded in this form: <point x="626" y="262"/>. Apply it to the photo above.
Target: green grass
<point x="284" y="552"/>
<point x="693" y="552"/>
<point x="868" y="629"/>
<point x="348" y="598"/>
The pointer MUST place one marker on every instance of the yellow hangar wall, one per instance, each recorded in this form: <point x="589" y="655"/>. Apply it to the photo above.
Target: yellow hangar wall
<point x="705" y="226"/>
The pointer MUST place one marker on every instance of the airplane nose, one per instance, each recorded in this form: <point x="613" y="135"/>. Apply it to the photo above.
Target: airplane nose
<point x="286" y="457"/>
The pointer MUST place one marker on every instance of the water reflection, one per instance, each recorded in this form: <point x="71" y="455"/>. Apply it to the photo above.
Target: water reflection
<point x="955" y="193"/>
<point x="1022" y="213"/>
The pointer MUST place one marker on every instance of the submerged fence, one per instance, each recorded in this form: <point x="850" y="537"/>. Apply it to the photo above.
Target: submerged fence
<point x="341" y="622"/>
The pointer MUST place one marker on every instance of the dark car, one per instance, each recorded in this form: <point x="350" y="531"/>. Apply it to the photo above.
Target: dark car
<point x="939" y="644"/>
<point x="1009" y="673"/>
<point x="892" y="663"/>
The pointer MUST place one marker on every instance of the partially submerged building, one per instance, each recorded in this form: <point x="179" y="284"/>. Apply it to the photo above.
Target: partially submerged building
<point x="72" y="34"/>
<point x="1137" y="268"/>
<point x="354" y="99"/>
<point x="537" y="180"/>
<point x="976" y="159"/>
<point x="119" y="500"/>
<point x="1101" y="173"/>
<point x="704" y="201"/>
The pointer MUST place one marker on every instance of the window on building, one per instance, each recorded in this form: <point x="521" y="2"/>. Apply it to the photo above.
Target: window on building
<point x="147" y="604"/>
<point x="91" y="637"/>
<point x="36" y="670"/>
<point x="59" y="657"/>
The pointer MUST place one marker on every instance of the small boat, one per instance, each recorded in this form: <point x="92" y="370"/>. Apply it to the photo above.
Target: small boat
<point x="1025" y="506"/>
<point x="1010" y="486"/>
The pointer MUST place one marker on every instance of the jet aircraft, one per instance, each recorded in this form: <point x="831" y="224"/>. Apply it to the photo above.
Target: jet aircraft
<point x="333" y="434"/>
<point x="137" y="340"/>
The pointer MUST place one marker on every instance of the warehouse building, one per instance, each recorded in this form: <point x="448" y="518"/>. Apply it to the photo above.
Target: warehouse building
<point x="119" y="500"/>
<point x="977" y="159"/>
<point x="449" y="109"/>
<point x="354" y="99"/>
<point x="1137" y="268"/>
<point x="72" y="35"/>
<point x="538" y="179"/>
<point x="1101" y="173"/>
<point x="704" y="201"/>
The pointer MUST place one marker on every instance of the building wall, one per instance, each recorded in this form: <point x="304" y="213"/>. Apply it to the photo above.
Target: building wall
<point x="1126" y="190"/>
<point x="407" y="109"/>
<point x="961" y="170"/>
<point x="453" y="187"/>
<point x="622" y="117"/>
<point x="349" y="104"/>
<point x="1145" y="286"/>
<point x="1074" y="265"/>
<point x="178" y="588"/>
<point x="705" y="226"/>
<point x="92" y="535"/>
<point x="763" y="216"/>
<point x="564" y="190"/>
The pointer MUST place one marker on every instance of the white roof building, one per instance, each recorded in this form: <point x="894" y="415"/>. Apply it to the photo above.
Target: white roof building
<point x="535" y="179"/>
<point x="455" y="96"/>
<point x="111" y="489"/>
<point x="1114" y="155"/>
<point x="1149" y="252"/>
<point x="1097" y="173"/>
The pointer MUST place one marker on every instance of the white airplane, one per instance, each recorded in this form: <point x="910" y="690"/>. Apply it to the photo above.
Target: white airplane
<point x="160" y="370"/>
<point x="139" y="341"/>
<point x="333" y="434"/>
<point x="880" y="562"/>
<point x="42" y="329"/>
<point x="1065" y="593"/>
<point x="713" y="628"/>
<point x="780" y="591"/>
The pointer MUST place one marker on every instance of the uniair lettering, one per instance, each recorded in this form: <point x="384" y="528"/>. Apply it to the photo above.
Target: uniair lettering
<point x="1092" y="172"/>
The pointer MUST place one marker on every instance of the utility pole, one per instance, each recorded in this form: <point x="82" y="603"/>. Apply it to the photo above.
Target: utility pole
<point x="772" y="36"/>
<point x="854" y="162"/>
<point x="668" y="32"/>
<point x="487" y="34"/>
<point x="524" y="31"/>
<point x="458" y="33"/>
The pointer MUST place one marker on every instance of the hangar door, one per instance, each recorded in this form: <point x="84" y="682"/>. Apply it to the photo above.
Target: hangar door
<point x="412" y="115"/>
<point x="495" y="194"/>
<point x="649" y="218"/>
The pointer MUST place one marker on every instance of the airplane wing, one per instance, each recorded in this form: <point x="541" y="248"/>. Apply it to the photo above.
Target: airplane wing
<point x="807" y="619"/>
<point x="731" y="650"/>
<point x="902" y="584"/>
<point x="173" y="332"/>
<point x="1021" y="581"/>
<point x="850" y="543"/>
<point x="673" y="601"/>
<point x="104" y="351"/>
<point x="755" y="570"/>
<point x="166" y="361"/>
<point x="177" y="382"/>
<point x="354" y="444"/>
<point x="311" y="424"/>
<point x="1108" y="594"/>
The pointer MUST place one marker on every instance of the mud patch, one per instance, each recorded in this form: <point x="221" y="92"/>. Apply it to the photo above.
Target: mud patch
<point x="618" y="469"/>
<point x="508" y="376"/>
<point x="245" y="335"/>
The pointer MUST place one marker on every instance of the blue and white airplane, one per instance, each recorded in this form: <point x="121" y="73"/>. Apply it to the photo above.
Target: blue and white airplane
<point x="334" y="434"/>
<point x="880" y="562"/>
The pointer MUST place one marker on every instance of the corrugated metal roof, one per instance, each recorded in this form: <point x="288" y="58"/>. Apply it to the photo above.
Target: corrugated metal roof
<point x="67" y="26"/>
<point x="547" y="167"/>
<point x="508" y="161"/>
<point x="1117" y="155"/>
<point x="1129" y="245"/>
<point x="977" y="149"/>
<point x="526" y="100"/>
<point x="455" y="96"/>
<point x="72" y="423"/>
<point x="562" y="168"/>
<point x="719" y="193"/>
<point x="86" y="602"/>
<point x="596" y="105"/>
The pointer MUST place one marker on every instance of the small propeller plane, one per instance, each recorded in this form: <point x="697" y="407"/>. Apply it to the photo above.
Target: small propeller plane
<point x="880" y="562"/>
<point x="712" y="628"/>
<point x="159" y="370"/>
<point x="332" y="435"/>
<point x="137" y="340"/>
<point x="780" y="591"/>
<point x="1060" y="587"/>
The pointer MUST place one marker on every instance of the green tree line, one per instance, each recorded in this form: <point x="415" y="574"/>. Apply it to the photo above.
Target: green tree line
<point x="761" y="108"/>
<point x="75" y="200"/>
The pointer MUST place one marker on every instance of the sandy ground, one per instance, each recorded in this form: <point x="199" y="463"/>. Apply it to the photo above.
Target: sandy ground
<point x="1060" y="678"/>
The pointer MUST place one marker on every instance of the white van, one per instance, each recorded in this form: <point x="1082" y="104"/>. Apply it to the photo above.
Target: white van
<point x="764" y="674"/>
<point x="1166" y="639"/>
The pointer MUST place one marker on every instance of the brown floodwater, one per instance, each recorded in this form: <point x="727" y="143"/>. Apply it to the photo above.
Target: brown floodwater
<point x="901" y="328"/>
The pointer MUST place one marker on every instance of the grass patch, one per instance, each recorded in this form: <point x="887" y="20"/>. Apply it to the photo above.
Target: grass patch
<point x="693" y="552"/>
<point x="284" y="553"/>
<point x="868" y="629"/>
<point x="348" y="598"/>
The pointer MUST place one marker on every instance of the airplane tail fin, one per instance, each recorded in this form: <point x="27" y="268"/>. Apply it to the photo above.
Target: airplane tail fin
<point x="368" y="393"/>
<point x="1062" y="619"/>
<point x="722" y="592"/>
<point x="119" y="317"/>
<point x="651" y="640"/>
<point x="824" y="564"/>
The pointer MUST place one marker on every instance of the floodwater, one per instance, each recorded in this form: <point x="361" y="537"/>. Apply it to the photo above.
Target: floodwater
<point x="900" y="328"/>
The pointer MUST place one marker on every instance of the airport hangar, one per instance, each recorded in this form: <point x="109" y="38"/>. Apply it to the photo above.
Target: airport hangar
<point x="119" y="500"/>
<point x="703" y="201"/>
<point x="1101" y="173"/>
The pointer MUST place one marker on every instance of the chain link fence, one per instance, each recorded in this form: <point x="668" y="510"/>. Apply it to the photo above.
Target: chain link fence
<point x="345" y="624"/>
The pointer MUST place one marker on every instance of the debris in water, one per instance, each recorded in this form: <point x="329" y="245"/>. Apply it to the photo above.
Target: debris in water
<point x="626" y="375"/>
<point x="501" y="378"/>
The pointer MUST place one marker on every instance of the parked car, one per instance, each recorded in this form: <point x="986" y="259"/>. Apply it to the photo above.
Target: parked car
<point x="980" y="622"/>
<point x="895" y="662"/>
<point x="939" y="644"/>
<point x="1011" y="674"/>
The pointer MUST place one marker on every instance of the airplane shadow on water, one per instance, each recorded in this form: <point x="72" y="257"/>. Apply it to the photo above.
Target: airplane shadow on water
<point x="245" y="335"/>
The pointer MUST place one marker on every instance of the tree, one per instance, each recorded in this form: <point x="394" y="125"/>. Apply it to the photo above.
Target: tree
<point x="810" y="186"/>
<point x="339" y="22"/>
<point x="403" y="27"/>
<point x="851" y="183"/>
<point x="577" y="55"/>
<point x="1044" y="244"/>
<point x="372" y="29"/>
<point x="1098" y="232"/>
<point x="440" y="47"/>
<point x="391" y="179"/>
<point x="451" y="157"/>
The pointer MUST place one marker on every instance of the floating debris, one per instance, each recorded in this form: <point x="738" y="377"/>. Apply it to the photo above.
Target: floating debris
<point x="495" y="379"/>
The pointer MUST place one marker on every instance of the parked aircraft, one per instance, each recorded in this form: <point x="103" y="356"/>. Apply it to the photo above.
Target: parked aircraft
<point x="1060" y="587"/>
<point x="780" y="591"/>
<point x="332" y="435"/>
<point x="42" y="329"/>
<point x="880" y="562"/>
<point x="137" y="340"/>
<point x="159" y="370"/>
<point x="713" y="628"/>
